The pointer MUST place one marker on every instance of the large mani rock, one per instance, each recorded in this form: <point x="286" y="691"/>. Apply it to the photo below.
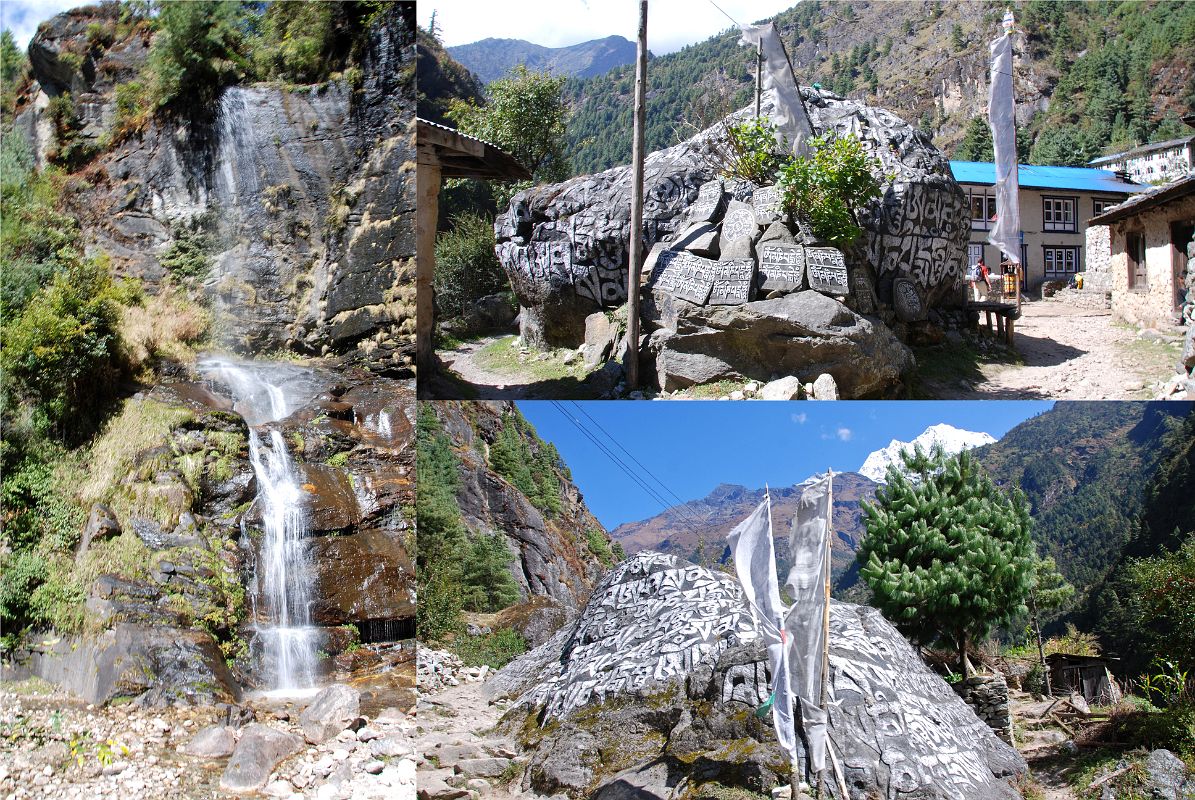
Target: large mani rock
<point x="565" y="246"/>
<point x="656" y="681"/>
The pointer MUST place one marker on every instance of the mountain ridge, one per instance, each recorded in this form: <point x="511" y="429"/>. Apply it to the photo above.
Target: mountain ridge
<point x="491" y="58"/>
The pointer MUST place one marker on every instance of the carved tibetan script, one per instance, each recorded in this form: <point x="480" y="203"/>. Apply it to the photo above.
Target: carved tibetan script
<point x="684" y="275"/>
<point x="732" y="282"/>
<point x="781" y="266"/>
<point x="826" y="268"/>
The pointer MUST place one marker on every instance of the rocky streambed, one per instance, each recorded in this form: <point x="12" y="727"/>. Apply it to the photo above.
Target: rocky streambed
<point x="54" y="745"/>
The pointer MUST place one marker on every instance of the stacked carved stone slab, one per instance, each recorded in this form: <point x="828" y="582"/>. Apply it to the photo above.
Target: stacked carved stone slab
<point x="565" y="246"/>
<point x="656" y="623"/>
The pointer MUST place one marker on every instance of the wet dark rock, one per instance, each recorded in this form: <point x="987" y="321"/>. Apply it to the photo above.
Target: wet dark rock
<point x="152" y="664"/>
<point x="367" y="574"/>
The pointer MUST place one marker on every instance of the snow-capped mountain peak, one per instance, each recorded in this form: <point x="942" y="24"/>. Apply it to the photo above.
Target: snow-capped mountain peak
<point x="952" y="439"/>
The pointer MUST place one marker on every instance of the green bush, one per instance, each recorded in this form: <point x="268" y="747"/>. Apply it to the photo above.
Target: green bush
<point x="599" y="546"/>
<point x="829" y="187"/>
<point x="466" y="265"/>
<point x="296" y="41"/>
<point x="23" y="572"/>
<point x="754" y="153"/>
<point x="60" y="353"/>
<point x="188" y="255"/>
<point x="495" y="650"/>
<point x="197" y="51"/>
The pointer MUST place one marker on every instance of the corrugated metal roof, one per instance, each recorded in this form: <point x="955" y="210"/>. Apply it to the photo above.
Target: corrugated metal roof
<point x="1145" y="148"/>
<point x="1082" y="179"/>
<point x="1180" y="187"/>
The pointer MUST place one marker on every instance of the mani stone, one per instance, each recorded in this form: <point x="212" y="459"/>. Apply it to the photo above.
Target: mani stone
<point x="740" y="229"/>
<point x="711" y="199"/>
<point x="767" y="201"/>
<point x="826" y="268"/>
<point x="684" y="275"/>
<point x="781" y="267"/>
<point x="907" y="301"/>
<point x="733" y="282"/>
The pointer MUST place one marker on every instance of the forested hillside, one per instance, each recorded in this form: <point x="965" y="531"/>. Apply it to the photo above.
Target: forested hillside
<point x="1091" y="77"/>
<point x="1084" y="468"/>
<point x="441" y="78"/>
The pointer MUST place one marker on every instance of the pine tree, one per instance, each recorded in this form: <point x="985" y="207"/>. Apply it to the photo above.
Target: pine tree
<point x="488" y="584"/>
<point x="947" y="553"/>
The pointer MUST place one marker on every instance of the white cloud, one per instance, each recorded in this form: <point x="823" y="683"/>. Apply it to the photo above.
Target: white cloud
<point x="842" y="434"/>
<point x="671" y="24"/>
<point x="800" y="418"/>
<point x="23" y="16"/>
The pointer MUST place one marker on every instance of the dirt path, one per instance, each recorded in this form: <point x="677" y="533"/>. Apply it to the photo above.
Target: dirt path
<point x="462" y="362"/>
<point x="1073" y="353"/>
<point x="470" y="371"/>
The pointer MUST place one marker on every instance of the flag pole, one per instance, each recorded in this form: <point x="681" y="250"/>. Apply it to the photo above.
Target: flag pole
<point x="821" y="777"/>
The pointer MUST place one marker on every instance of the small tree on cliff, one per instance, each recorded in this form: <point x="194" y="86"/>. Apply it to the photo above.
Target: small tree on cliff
<point x="524" y="115"/>
<point x="947" y="553"/>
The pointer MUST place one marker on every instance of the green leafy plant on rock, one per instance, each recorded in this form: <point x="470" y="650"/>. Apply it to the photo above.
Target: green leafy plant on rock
<point x="753" y="152"/>
<point x="830" y="186"/>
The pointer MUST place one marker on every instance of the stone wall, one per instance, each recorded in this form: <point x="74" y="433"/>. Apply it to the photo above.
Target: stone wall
<point x="1098" y="267"/>
<point x="988" y="696"/>
<point x="1153" y="306"/>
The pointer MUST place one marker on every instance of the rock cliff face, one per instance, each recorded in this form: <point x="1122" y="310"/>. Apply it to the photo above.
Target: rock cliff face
<point x="565" y="246"/>
<point x="651" y="692"/>
<point x="556" y="557"/>
<point x="307" y="192"/>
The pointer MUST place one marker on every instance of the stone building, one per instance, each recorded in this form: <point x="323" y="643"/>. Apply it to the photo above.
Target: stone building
<point x="1152" y="163"/>
<point x="1055" y="202"/>
<point x="1150" y="235"/>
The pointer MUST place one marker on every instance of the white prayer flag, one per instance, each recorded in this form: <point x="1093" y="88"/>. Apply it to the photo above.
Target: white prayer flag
<point x="755" y="563"/>
<point x="1005" y="234"/>
<point x="804" y="624"/>
<point x="777" y="74"/>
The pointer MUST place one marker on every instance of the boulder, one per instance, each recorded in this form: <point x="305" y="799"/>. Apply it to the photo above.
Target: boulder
<point x="786" y="388"/>
<point x="601" y="334"/>
<point x="824" y="388"/>
<point x="1167" y="777"/>
<point x="565" y="246"/>
<point x="804" y="334"/>
<point x="1188" y="356"/>
<point x="101" y="524"/>
<point x="656" y="681"/>
<point x="214" y="741"/>
<point x="260" y="749"/>
<point x="332" y="710"/>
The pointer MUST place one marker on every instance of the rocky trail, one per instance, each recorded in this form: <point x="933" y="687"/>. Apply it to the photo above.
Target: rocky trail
<point x="462" y="362"/>
<point x="1073" y="353"/>
<point x="460" y="753"/>
<point x="492" y="373"/>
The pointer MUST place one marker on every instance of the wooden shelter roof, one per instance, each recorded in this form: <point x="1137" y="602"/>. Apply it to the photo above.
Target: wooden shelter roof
<point x="462" y="156"/>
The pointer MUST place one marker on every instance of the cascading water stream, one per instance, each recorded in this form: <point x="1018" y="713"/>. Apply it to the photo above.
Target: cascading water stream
<point x="284" y="636"/>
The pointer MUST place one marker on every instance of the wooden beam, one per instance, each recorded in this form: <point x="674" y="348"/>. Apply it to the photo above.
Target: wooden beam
<point x="427" y="182"/>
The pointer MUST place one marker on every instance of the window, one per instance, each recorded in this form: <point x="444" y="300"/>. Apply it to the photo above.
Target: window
<point x="1134" y="247"/>
<point x="974" y="253"/>
<point x="1099" y="206"/>
<point x="1058" y="213"/>
<point x="983" y="209"/>
<point x="1061" y="262"/>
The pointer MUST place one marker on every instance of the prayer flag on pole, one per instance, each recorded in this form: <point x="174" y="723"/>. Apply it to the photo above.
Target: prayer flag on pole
<point x="805" y="622"/>
<point x="1005" y="234"/>
<point x="790" y="117"/>
<point x="755" y="563"/>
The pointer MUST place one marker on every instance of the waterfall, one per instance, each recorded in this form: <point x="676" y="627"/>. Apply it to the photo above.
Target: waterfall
<point x="285" y="639"/>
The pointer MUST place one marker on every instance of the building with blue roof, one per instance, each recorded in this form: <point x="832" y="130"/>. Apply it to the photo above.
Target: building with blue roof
<point x="1056" y="203"/>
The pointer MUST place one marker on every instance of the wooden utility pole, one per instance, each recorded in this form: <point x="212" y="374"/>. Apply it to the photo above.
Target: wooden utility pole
<point x="758" y="74"/>
<point x="631" y="361"/>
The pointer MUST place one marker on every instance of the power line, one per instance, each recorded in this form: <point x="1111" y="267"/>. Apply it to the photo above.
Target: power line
<point x="618" y="462"/>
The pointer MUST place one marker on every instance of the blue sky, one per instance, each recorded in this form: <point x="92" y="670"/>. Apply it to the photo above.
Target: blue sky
<point x="694" y="446"/>
<point x="671" y="24"/>
<point x="22" y="16"/>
